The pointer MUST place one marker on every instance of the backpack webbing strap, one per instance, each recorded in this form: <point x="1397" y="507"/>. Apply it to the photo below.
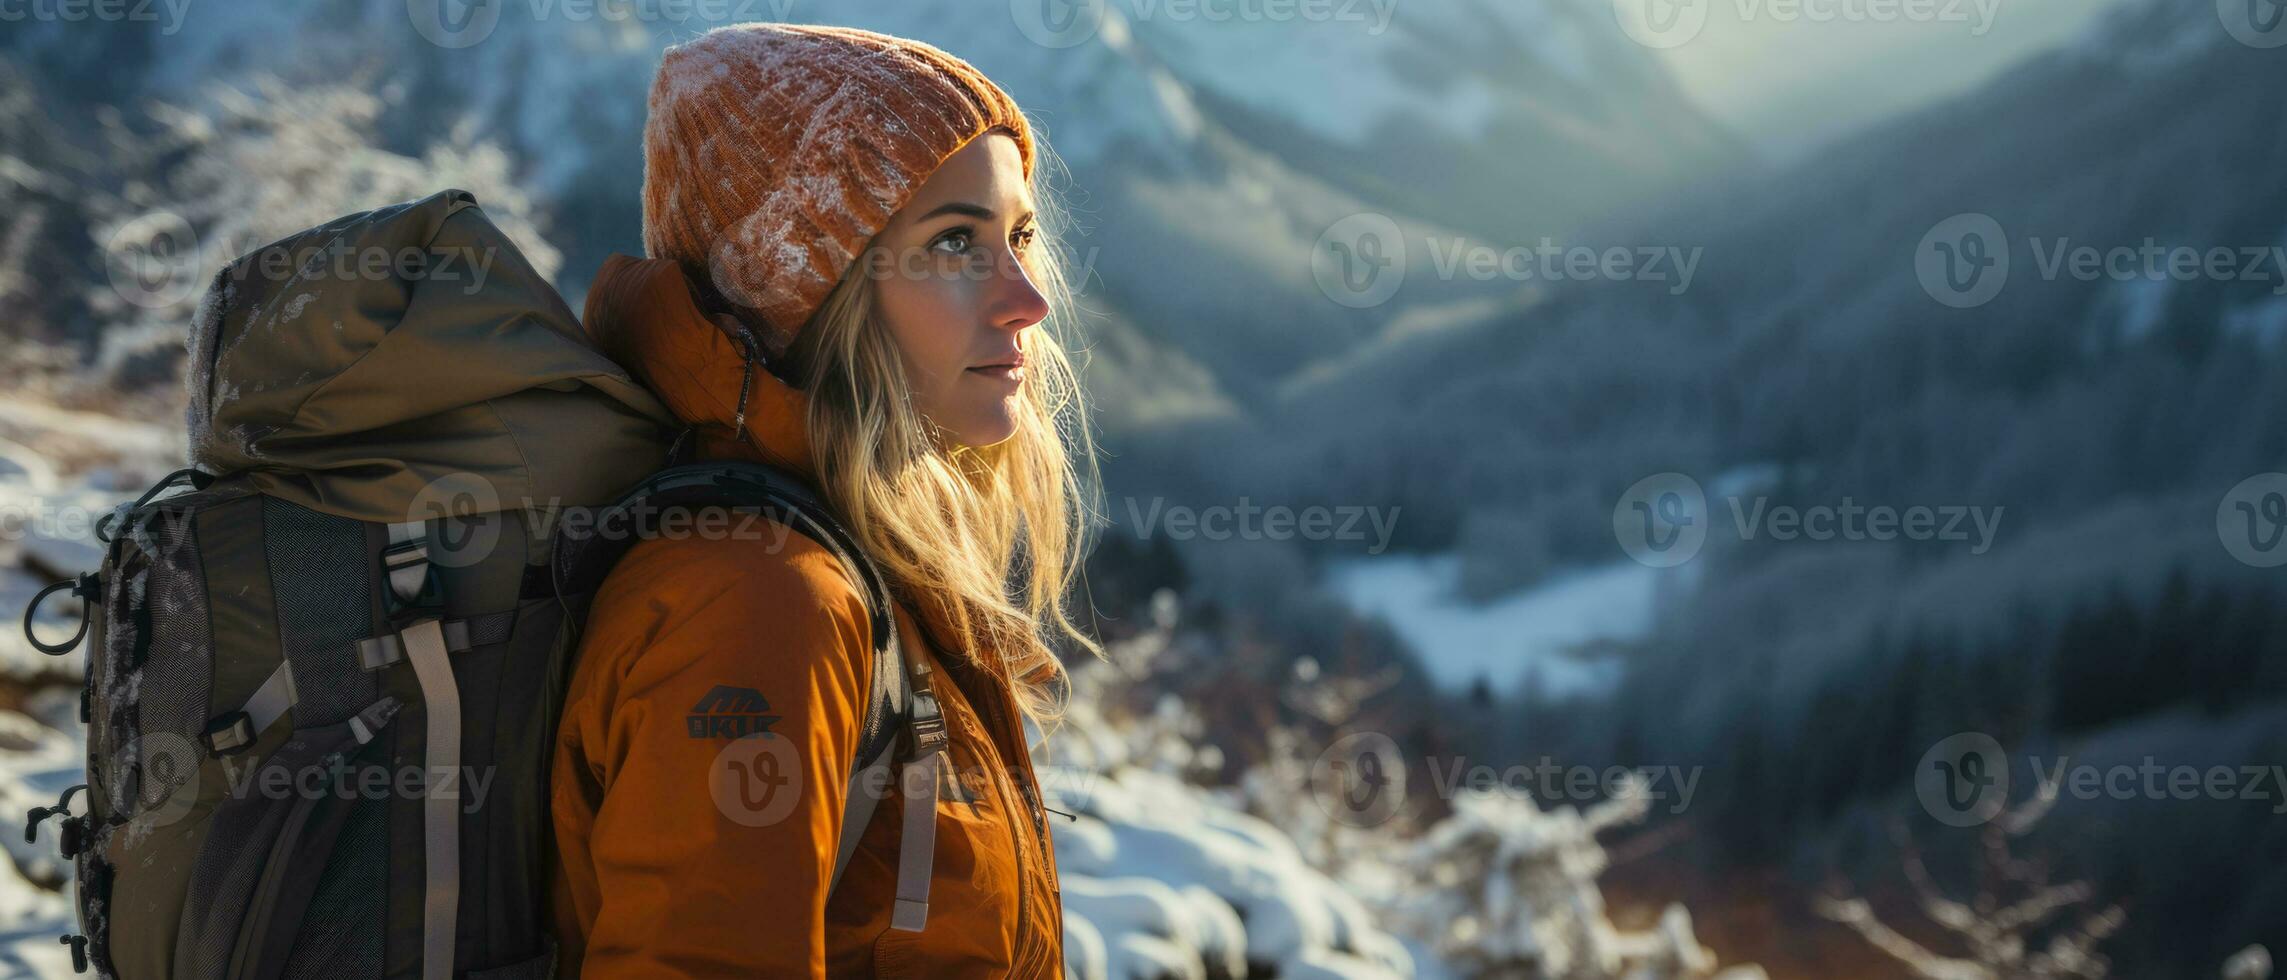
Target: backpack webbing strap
<point x="917" y="850"/>
<point x="238" y="729"/>
<point x="917" y="843"/>
<point x="440" y="808"/>
<point x="865" y="791"/>
<point x="424" y="642"/>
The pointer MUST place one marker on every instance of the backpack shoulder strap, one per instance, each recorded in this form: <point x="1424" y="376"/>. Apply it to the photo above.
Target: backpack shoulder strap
<point x="900" y="698"/>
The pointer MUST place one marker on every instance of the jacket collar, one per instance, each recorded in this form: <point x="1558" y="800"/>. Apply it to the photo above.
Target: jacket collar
<point x="643" y="314"/>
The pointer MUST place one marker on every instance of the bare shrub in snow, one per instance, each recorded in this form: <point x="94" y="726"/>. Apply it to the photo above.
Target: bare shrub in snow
<point x="1510" y="890"/>
<point x="1998" y="930"/>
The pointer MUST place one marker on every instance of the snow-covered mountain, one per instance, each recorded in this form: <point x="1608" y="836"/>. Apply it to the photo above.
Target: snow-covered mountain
<point x="1209" y="151"/>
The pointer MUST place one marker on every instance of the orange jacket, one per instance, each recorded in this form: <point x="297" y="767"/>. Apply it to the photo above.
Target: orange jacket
<point x="685" y="854"/>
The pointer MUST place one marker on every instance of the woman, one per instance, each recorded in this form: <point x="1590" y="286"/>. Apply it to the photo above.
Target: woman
<point x="861" y="210"/>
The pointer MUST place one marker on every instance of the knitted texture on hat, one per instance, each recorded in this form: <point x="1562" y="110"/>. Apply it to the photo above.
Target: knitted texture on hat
<point x="775" y="152"/>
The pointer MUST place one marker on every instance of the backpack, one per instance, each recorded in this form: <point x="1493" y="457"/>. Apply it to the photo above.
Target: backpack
<point x="362" y="578"/>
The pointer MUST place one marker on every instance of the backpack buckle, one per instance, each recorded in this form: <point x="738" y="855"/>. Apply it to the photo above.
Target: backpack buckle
<point x="230" y="734"/>
<point x="928" y="723"/>
<point x="405" y="566"/>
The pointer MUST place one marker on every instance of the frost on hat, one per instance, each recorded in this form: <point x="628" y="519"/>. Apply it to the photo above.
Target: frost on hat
<point x="775" y="152"/>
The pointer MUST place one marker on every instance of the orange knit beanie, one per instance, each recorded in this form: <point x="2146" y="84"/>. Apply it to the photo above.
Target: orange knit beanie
<point x="775" y="152"/>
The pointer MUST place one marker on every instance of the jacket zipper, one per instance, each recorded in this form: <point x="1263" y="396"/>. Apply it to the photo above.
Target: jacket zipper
<point x="1016" y="790"/>
<point x="1048" y="857"/>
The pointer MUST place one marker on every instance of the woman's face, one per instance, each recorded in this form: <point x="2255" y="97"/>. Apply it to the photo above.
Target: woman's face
<point x="953" y="286"/>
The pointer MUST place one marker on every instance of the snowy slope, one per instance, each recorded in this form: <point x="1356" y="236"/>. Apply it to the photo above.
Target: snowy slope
<point x="1167" y="872"/>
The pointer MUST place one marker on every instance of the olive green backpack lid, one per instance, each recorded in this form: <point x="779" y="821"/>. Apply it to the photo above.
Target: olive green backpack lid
<point x="318" y="410"/>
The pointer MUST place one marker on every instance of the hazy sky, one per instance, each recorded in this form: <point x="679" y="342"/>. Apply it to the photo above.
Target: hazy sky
<point x="1786" y="81"/>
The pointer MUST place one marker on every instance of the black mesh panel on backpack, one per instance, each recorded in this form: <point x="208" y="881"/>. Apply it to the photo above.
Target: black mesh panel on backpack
<point x="342" y="936"/>
<point x="323" y="579"/>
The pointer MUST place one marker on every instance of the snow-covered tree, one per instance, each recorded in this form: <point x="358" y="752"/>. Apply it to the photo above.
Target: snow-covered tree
<point x="193" y="186"/>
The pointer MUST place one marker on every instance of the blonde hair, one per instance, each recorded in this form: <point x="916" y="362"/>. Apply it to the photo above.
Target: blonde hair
<point x="998" y="533"/>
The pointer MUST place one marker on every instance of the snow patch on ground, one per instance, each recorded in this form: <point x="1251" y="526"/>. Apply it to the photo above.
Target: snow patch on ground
<point x="1532" y="633"/>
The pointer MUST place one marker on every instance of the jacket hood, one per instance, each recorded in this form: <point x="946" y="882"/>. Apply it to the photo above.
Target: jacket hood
<point x="643" y="314"/>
